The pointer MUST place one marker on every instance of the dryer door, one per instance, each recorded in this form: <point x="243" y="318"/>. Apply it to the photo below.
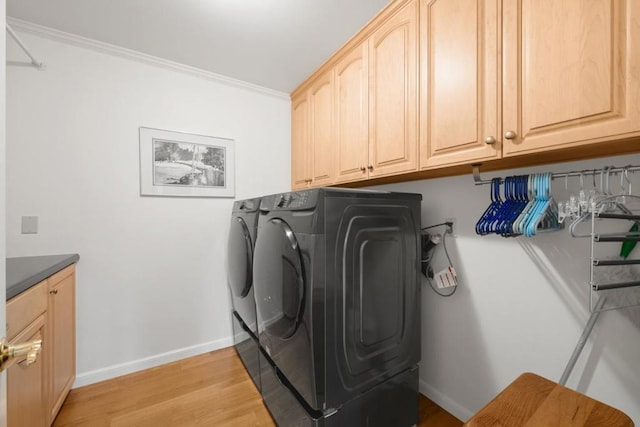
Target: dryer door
<point x="240" y="258"/>
<point x="279" y="275"/>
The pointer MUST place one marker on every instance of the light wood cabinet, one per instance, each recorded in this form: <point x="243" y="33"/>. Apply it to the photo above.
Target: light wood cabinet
<point x="61" y="333"/>
<point x="459" y="88"/>
<point x="313" y="146"/>
<point x="571" y="73"/>
<point x="375" y="107"/>
<point x="509" y="83"/>
<point x="569" y="77"/>
<point x="26" y="397"/>
<point x="352" y="114"/>
<point x="393" y="55"/>
<point x="300" y="170"/>
<point x="45" y="311"/>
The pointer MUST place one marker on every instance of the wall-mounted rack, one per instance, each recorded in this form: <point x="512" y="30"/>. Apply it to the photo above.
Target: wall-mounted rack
<point x="34" y="62"/>
<point x="610" y="170"/>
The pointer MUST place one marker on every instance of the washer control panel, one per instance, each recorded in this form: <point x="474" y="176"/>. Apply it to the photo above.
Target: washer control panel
<point x="298" y="200"/>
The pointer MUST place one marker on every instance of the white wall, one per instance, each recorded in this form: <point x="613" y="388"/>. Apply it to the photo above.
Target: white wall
<point x="152" y="271"/>
<point x="521" y="305"/>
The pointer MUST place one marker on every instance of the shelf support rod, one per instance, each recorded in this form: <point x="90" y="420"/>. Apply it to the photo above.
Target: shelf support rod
<point x="611" y="170"/>
<point x="583" y="340"/>
<point x="38" y="64"/>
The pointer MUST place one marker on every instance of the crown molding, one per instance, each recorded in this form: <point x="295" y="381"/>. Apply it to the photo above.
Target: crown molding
<point x="84" y="42"/>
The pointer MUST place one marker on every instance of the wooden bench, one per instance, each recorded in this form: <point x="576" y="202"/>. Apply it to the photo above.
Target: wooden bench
<point x="534" y="401"/>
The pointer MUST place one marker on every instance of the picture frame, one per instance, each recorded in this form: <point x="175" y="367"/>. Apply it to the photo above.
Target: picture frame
<point x="177" y="164"/>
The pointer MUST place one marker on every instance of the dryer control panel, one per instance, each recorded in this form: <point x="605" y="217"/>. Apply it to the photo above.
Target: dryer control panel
<point x="297" y="200"/>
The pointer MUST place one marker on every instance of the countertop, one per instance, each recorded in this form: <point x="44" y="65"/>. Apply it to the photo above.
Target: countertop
<point x="24" y="272"/>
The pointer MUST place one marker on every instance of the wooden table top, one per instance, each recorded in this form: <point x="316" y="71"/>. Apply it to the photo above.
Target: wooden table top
<point x="534" y="401"/>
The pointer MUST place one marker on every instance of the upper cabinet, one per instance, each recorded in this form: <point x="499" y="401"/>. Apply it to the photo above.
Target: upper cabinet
<point x="300" y="169"/>
<point x="569" y="76"/>
<point x="459" y="88"/>
<point x="393" y="126"/>
<point x="571" y="72"/>
<point x="313" y="144"/>
<point x="430" y="86"/>
<point x="357" y="117"/>
<point x="352" y="114"/>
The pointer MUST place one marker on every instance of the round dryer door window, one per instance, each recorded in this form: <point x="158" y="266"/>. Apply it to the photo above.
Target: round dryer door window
<point x="240" y="258"/>
<point x="279" y="274"/>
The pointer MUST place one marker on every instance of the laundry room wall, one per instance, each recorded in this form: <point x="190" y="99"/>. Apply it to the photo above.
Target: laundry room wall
<point x="521" y="304"/>
<point x="152" y="272"/>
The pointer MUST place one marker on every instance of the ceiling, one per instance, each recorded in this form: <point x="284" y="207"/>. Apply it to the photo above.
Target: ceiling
<point x="271" y="43"/>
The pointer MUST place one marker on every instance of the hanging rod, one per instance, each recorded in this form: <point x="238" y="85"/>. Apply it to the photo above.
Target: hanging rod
<point x="611" y="170"/>
<point x="38" y="64"/>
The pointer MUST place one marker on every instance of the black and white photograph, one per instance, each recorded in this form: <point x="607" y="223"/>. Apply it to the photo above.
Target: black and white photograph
<point x="180" y="164"/>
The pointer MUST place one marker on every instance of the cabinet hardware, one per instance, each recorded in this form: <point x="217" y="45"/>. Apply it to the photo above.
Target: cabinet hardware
<point x="10" y="352"/>
<point x="490" y="140"/>
<point x="510" y="134"/>
<point x="53" y="292"/>
<point x="370" y="167"/>
<point x="362" y="168"/>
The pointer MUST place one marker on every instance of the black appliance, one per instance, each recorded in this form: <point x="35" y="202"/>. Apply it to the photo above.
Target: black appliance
<point x="336" y="278"/>
<point x="242" y="237"/>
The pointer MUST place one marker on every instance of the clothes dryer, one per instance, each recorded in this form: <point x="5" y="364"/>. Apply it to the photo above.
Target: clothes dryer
<point x="337" y="291"/>
<point x="242" y="237"/>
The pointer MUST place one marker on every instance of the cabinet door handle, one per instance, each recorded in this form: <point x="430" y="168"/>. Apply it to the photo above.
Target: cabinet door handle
<point x="510" y="134"/>
<point x="370" y="167"/>
<point x="9" y="352"/>
<point x="490" y="140"/>
<point x="362" y="168"/>
<point x="53" y="292"/>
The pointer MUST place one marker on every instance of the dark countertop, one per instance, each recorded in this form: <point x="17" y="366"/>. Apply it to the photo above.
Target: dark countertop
<point x="24" y="272"/>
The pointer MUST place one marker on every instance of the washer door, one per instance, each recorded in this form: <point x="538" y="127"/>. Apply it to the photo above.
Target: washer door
<point x="279" y="274"/>
<point x="240" y="258"/>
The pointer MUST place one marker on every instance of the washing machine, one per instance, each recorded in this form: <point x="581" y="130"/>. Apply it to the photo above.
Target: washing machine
<point x="337" y="287"/>
<point x="242" y="237"/>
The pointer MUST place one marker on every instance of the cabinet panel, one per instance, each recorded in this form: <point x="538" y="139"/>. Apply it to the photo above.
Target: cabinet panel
<point x="26" y="384"/>
<point x="300" y="175"/>
<point x="322" y="141"/>
<point x="61" y="321"/>
<point x="459" y="91"/>
<point x="25" y="308"/>
<point x="571" y="72"/>
<point x="393" y="103"/>
<point x="352" y="115"/>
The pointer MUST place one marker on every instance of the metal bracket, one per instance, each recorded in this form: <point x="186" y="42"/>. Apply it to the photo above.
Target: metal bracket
<point x="476" y="174"/>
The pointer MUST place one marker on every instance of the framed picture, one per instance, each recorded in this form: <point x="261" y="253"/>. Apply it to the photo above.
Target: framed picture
<point x="185" y="165"/>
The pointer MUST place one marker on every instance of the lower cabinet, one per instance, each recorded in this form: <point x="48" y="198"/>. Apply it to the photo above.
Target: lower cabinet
<point x="61" y="333"/>
<point x="36" y="392"/>
<point x="26" y="384"/>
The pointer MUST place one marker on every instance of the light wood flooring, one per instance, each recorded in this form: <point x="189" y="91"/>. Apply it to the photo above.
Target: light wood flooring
<point x="212" y="389"/>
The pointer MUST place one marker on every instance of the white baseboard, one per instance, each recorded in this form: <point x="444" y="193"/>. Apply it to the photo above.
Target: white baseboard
<point x="445" y="402"/>
<point x="109" y="372"/>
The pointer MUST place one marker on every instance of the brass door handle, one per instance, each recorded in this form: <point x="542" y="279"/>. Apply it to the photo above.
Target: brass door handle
<point x="10" y="352"/>
<point x="54" y="292"/>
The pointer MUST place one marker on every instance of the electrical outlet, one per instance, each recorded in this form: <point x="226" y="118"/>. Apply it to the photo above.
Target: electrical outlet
<point x="451" y="228"/>
<point x="29" y="225"/>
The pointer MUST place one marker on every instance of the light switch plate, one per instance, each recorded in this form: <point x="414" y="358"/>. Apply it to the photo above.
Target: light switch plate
<point x="29" y="225"/>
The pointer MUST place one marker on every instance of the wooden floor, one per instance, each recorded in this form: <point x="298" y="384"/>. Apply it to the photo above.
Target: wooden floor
<point x="212" y="389"/>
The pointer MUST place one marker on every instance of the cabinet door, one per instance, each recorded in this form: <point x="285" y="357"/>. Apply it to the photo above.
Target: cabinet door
<point x="393" y="146"/>
<point x="62" y="337"/>
<point x="571" y="72"/>
<point x="459" y="88"/>
<point x="300" y="174"/>
<point x="322" y="141"/>
<point x="26" y="384"/>
<point x="352" y="115"/>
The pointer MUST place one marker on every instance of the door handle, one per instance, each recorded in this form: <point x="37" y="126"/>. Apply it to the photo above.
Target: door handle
<point x="10" y="352"/>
